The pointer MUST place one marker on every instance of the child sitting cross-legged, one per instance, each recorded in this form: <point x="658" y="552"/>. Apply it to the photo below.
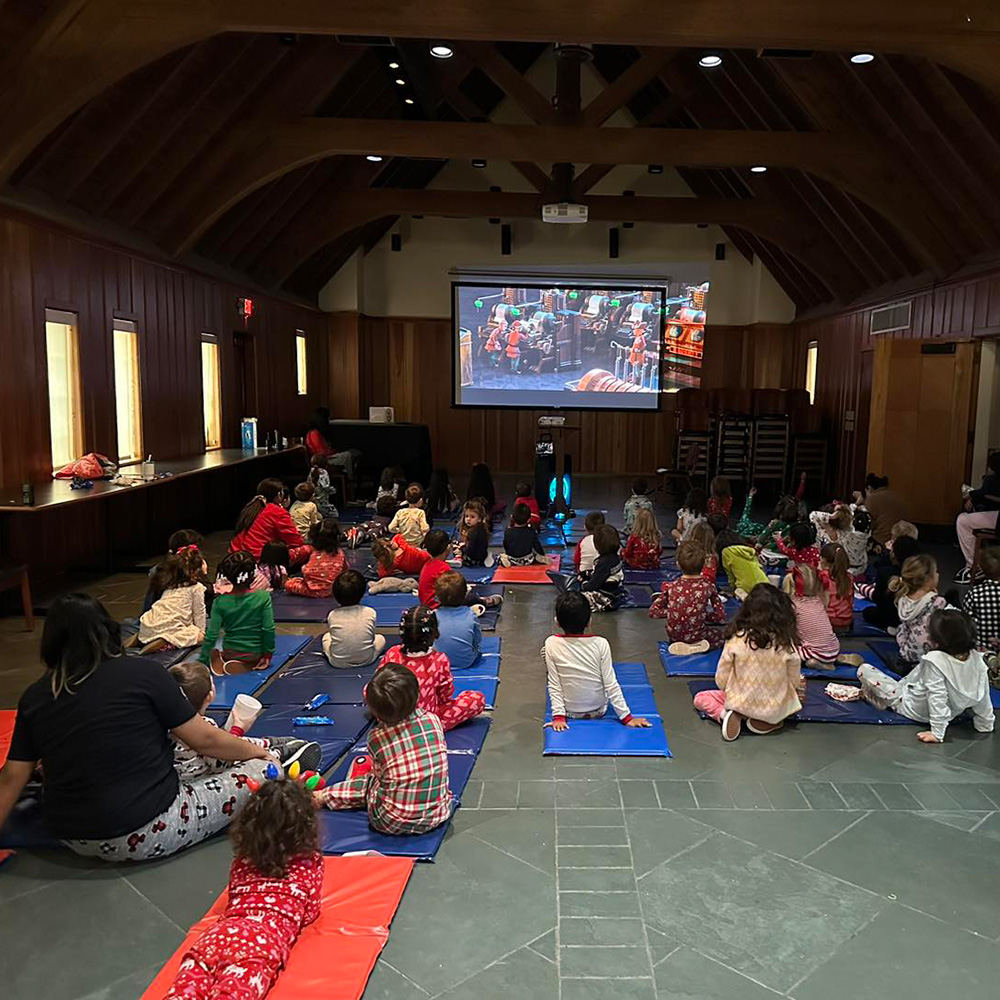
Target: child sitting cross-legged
<point x="272" y="567"/>
<point x="419" y="631"/>
<point x="759" y="676"/>
<point x="404" y="784"/>
<point x="244" y="617"/>
<point x="639" y="500"/>
<point x="691" y="605"/>
<point x="436" y="543"/>
<point x="703" y="535"/>
<point x="195" y="680"/>
<point x="915" y="590"/>
<point x="398" y="563"/>
<point x="720" y="500"/>
<point x="459" y="636"/>
<point x="835" y="575"/>
<point x="586" y="552"/>
<point x="177" y="616"/>
<point x="522" y="494"/>
<point x="473" y="544"/>
<point x="950" y="678"/>
<point x="643" y="548"/>
<point x="411" y="521"/>
<point x="275" y="889"/>
<point x="303" y="511"/>
<point x="604" y="588"/>
<point x="521" y="546"/>
<point x="819" y="646"/>
<point x="695" y="510"/>
<point x="184" y="540"/>
<point x="350" y="640"/>
<point x="801" y="545"/>
<point x="319" y="476"/>
<point x="982" y="605"/>
<point x="325" y="564"/>
<point x="581" y="676"/>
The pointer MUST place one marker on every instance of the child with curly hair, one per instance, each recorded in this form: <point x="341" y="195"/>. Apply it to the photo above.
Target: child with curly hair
<point x="325" y="564"/>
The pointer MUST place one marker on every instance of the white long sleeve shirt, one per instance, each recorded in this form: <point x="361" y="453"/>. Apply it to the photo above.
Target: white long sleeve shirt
<point x="178" y="616"/>
<point x="942" y="687"/>
<point x="581" y="677"/>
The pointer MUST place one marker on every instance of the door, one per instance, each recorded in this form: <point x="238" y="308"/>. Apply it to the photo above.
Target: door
<point x="245" y="367"/>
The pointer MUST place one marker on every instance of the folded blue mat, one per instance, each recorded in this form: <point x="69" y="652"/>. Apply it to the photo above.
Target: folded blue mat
<point x="227" y="688"/>
<point x="705" y="664"/>
<point x="486" y="686"/>
<point x="25" y="827"/>
<point x="819" y="707"/>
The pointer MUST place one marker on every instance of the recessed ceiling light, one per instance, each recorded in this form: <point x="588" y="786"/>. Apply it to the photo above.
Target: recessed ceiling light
<point x="400" y="81"/>
<point x="655" y="168"/>
<point x="407" y="100"/>
<point x="373" y="158"/>
<point x="441" y="51"/>
<point x="479" y="163"/>
<point x="394" y="65"/>
<point x="758" y="169"/>
<point x="710" y="60"/>
<point x="859" y="58"/>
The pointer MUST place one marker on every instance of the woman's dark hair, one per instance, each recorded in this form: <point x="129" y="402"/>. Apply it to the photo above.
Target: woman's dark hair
<point x="801" y="534"/>
<point x="766" y="619"/>
<point x="436" y="542"/>
<point x="521" y="515"/>
<point x="640" y="487"/>
<point x="951" y="631"/>
<point x="321" y="419"/>
<point x="268" y="491"/>
<point x="325" y="535"/>
<point x="238" y="568"/>
<point x="607" y="541"/>
<point x="276" y="826"/>
<point x="179" y="569"/>
<point x="696" y="501"/>
<point x="78" y="636"/>
<point x="572" y="612"/>
<point x="349" y="588"/>
<point x="418" y="628"/>
<point x="904" y="547"/>
<point x="862" y="520"/>
<point x="481" y="485"/>
<point x="437" y="492"/>
<point x="183" y="538"/>
<point x="392" y="694"/>
<point x="787" y="510"/>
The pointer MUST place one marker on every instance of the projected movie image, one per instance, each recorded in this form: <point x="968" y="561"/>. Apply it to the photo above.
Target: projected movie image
<point x="577" y="347"/>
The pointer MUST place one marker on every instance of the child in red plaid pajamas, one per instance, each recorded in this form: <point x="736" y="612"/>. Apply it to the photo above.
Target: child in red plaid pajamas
<point x="404" y="786"/>
<point x="691" y="605"/>
<point x="419" y="629"/>
<point x="275" y="887"/>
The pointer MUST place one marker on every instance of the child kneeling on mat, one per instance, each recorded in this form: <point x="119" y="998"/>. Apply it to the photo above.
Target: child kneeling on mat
<point x="459" y="636"/>
<point x="419" y="629"/>
<point x="404" y="783"/>
<point x="275" y="889"/>
<point x="950" y="678"/>
<point x="760" y="672"/>
<point x="244" y="617"/>
<point x="351" y="640"/>
<point x="581" y="676"/>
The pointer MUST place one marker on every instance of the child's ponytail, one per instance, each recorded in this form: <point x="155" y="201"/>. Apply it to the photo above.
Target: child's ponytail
<point x="268" y="490"/>
<point x="418" y="629"/>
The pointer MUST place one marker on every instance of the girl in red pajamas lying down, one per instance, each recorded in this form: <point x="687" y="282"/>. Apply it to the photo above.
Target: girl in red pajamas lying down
<point x="275" y="887"/>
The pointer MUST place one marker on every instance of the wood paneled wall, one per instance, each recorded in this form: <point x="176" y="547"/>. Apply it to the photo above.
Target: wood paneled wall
<point x="43" y="266"/>
<point x="407" y="363"/>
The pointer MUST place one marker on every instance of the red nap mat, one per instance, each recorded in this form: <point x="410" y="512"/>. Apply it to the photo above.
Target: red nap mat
<point x="334" y="956"/>
<point x="537" y="573"/>
<point x="7" y="717"/>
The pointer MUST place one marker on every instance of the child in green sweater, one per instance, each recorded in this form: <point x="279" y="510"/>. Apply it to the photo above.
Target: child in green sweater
<point x="245" y="617"/>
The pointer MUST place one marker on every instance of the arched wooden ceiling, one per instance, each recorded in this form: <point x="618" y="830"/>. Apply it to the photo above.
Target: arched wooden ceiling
<point x="243" y="146"/>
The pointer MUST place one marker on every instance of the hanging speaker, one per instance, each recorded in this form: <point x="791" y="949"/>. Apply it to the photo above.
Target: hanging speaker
<point x="505" y="240"/>
<point x="613" y="242"/>
<point x="720" y="251"/>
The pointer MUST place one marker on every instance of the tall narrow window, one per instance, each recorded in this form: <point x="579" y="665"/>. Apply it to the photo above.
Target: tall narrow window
<point x="65" y="412"/>
<point x="211" y="392"/>
<point x="128" y="395"/>
<point x="301" y="379"/>
<point x="812" y="353"/>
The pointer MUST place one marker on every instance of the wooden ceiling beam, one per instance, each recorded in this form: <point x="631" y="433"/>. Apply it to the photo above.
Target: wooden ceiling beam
<point x="493" y="63"/>
<point x="621" y="90"/>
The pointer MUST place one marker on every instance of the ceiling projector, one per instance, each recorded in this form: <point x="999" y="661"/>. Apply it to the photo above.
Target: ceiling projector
<point x="564" y="212"/>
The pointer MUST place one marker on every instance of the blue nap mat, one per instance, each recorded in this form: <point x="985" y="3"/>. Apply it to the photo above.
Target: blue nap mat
<point x="227" y="688"/>
<point x="861" y="629"/>
<point x="466" y="739"/>
<point x="347" y="831"/>
<point x="639" y="596"/>
<point x="821" y="708"/>
<point x="887" y="653"/>
<point x="486" y="686"/>
<point x="631" y="673"/>
<point x="651" y="577"/>
<point x="704" y="665"/>
<point x="389" y="608"/>
<point x="475" y="574"/>
<point x="860" y="603"/>
<point x="639" y="697"/>
<point x="25" y="827"/>
<point x="168" y="657"/>
<point x="607" y="738"/>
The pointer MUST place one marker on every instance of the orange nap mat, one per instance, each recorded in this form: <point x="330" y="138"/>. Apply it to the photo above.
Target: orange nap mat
<point x="334" y="956"/>
<point x="7" y="717"/>
<point x="527" y="574"/>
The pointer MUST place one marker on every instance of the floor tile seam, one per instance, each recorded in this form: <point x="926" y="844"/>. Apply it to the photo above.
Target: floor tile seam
<point x="403" y="975"/>
<point x="594" y="868"/>
<point x="944" y="787"/>
<point x="974" y="828"/>
<point x="558" y="935"/>
<point x="798" y="784"/>
<point x="156" y="906"/>
<point x="669" y="954"/>
<point x="605" y="979"/>
<point x="535" y="951"/>
<point x="590" y="947"/>
<point x="673" y="857"/>
<point x="513" y="857"/>
<point x="940" y="920"/>
<point x="598" y="892"/>
<point x="840" y="833"/>
<point x="28" y="892"/>
<point x="742" y="975"/>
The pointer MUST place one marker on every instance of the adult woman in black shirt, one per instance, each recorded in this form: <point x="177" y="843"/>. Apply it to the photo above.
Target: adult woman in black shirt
<point x="100" y="723"/>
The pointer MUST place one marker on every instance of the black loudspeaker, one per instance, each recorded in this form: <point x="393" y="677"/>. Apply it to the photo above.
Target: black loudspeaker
<point x="505" y="240"/>
<point x="613" y="242"/>
<point x="545" y="470"/>
<point x="720" y="251"/>
<point x="395" y="242"/>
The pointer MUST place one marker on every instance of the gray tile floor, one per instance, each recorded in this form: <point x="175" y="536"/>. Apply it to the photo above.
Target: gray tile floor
<point x="818" y="863"/>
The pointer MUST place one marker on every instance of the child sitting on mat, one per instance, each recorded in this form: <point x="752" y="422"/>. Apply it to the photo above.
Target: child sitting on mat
<point x="411" y="521"/>
<point x="319" y="476"/>
<point x="720" y="499"/>
<point x="244" y="617"/>
<point x="800" y="546"/>
<point x="325" y="564"/>
<point x="586" y="552"/>
<point x="738" y="558"/>
<point x="404" y="783"/>
<point x="884" y="614"/>
<point x="473" y="546"/>
<point x="177" y="617"/>
<point x="604" y="589"/>
<point x="819" y="646"/>
<point x="441" y="500"/>
<point x="703" y="535"/>
<point x="982" y="604"/>
<point x="915" y="591"/>
<point x="522" y="494"/>
<point x="179" y="541"/>
<point x="304" y="512"/>
<point x="839" y="527"/>
<point x="272" y="567"/>
<point x="459" y="636"/>
<point x="695" y="510"/>
<point x="436" y="544"/>
<point x="350" y="640"/>
<point x="786" y="513"/>
<point x="759" y="676"/>
<point x="264" y="519"/>
<point x="419" y="631"/>
<point x="398" y="563"/>
<point x="195" y="680"/>
<point x="521" y="546"/>
<point x="835" y="575"/>
<point x="639" y="500"/>
<point x="950" y="678"/>
<point x="643" y="548"/>
<point x="691" y="606"/>
<point x="275" y="889"/>
<point x="581" y="676"/>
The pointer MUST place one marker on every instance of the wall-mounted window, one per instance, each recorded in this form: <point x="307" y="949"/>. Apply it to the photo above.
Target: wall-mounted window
<point x="65" y="410"/>
<point x="211" y="392"/>
<point x="812" y="355"/>
<point x="301" y="378"/>
<point x="128" y="392"/>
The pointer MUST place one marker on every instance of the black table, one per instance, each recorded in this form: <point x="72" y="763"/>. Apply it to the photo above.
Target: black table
<point x="403" y="444"/>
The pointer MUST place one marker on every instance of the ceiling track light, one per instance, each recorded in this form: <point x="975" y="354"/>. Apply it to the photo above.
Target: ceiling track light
<point x="710" y="60"/>
<point x="394" y="65"/>
<point x="400" y="82"/>
<point x="758" y="169"/>
<point x="477" y="162"/>
<point x="860" y="58"/>
<point x="373" y="158"/>
<point x="441" y="51"/>
<point x="655" y="168"/>
<point x="408" y="100"/>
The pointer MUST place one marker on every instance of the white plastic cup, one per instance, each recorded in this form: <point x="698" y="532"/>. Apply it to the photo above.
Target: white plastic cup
<point x="243" y="714"/>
